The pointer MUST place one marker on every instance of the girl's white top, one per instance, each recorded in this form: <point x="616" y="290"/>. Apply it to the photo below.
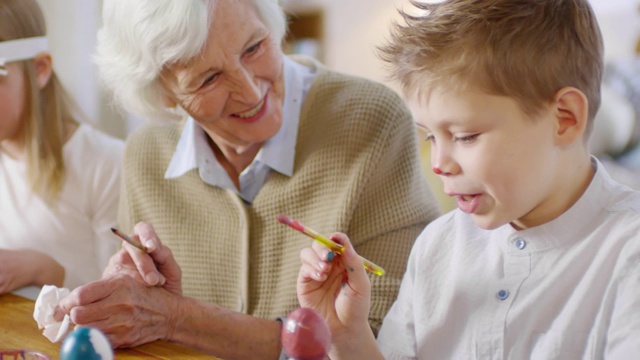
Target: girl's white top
<point x="76" y="232"/>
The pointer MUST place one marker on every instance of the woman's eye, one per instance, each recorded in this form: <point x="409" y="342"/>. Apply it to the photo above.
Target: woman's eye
<point x="254" y="48"/>
<point x="210" y="79"/>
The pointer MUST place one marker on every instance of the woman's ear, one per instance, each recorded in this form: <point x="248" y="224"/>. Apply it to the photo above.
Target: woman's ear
<point x="44" y="68"/>
<point x="571" y="109"/>
<point x="168" y="101"/>
<point x="167" y="81"/>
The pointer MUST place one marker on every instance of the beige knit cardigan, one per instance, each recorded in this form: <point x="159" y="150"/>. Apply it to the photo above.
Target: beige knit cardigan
<point x="356" y="171"/>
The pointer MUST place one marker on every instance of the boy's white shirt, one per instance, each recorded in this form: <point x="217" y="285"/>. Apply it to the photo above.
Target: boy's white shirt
<point x="573" y="285"/>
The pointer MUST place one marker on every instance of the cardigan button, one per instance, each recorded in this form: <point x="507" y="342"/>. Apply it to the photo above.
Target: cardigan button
<point x="240" y="304"/>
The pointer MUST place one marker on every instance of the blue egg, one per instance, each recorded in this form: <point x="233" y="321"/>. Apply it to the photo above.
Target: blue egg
<point x="86" y="343"/>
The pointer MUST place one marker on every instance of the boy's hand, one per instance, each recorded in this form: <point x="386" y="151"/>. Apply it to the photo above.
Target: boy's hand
<point x="337" y="287"/>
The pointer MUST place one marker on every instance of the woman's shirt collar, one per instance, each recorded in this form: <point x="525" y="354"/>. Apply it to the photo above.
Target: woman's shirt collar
<point x="277" y="153"/>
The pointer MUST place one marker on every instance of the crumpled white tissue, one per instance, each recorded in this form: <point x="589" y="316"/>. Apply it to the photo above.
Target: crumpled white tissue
<point x="43" y="313"/>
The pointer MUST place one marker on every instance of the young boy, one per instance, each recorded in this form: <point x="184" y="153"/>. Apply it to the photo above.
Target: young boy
<point x="541" y="259"/>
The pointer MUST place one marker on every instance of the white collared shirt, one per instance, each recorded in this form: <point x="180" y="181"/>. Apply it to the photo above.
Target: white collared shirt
<point x="277" y="153"/>
<point x="567" y="289"/>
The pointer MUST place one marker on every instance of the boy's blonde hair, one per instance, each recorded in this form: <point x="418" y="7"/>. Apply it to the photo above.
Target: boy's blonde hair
<point x="47" y="110"/>
<point x="524" y="49"/>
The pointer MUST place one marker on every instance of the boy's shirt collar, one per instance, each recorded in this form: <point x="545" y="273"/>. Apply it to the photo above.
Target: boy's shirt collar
<point x="566" y="228"/>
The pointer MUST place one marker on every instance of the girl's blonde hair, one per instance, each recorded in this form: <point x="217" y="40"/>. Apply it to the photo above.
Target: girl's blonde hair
<point x="47" y="111"/>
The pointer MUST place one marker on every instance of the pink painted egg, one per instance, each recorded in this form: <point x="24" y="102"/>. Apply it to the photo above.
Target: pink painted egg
<point x="305" y="335"/>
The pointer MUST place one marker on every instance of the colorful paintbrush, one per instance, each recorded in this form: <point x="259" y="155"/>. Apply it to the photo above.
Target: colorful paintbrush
<point x="332" y="245"/>
<point x="126" y="238"/>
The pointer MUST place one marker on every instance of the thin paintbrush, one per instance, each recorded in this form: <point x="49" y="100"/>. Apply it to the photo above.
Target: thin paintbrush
<point x="126" y="238"/>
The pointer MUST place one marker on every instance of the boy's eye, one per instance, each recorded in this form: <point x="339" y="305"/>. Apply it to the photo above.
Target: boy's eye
<point x="466" y="139"/>
<point x="424" y="135"/>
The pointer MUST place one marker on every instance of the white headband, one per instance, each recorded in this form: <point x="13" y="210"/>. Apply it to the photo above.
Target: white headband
<point x="20" y="49"/>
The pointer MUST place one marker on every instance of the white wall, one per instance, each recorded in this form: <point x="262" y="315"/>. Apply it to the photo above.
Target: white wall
<point x="72" y="26"/>
<point x="356" y="27"/>
<point x="620" y="25"/>
<point x="353" y="29"/>
<point x="352" y="40"/>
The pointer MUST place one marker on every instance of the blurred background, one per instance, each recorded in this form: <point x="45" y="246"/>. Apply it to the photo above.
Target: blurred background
<point x="344" y="34"/>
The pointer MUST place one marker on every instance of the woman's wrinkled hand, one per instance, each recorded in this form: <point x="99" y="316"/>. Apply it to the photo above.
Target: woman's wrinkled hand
<point x="155" y="267"/>
<point x="127" y="311"/>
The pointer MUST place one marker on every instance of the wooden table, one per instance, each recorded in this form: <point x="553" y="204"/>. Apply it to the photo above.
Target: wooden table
<point x="18" y="330"/>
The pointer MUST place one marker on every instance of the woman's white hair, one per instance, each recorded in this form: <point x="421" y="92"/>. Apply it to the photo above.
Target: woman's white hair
<point x="139" y="38"/>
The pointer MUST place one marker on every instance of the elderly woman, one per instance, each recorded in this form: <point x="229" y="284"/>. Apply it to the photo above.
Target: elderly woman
<point x="264" y="134"/>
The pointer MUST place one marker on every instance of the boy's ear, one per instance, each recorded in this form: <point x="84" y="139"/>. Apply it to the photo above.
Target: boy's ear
<point x="571" y="109"/>
<point x="44" y="68"/>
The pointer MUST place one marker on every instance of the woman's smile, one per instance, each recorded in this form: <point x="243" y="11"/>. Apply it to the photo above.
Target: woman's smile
<point x="252" y="112"/>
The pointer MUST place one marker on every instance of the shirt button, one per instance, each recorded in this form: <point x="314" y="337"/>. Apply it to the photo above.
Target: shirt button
<point x="502" y="294"/>
<point x="520" y="243"/>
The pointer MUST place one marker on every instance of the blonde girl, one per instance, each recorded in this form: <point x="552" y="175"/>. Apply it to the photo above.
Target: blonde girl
<point x="59" y="179"/>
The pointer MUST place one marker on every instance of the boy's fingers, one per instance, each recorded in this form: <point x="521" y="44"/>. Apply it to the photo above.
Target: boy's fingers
<point x="309" y="272"/>
<point x="354" y="264"/>
<point x="323" y="252"/>
<point x="312" y="260"/>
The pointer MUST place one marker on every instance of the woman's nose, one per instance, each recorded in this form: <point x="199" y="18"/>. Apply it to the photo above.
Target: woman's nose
<point x="245" y="88"/>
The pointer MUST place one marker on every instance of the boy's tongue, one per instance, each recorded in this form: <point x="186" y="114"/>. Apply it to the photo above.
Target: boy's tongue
<point x="468" y="203"/>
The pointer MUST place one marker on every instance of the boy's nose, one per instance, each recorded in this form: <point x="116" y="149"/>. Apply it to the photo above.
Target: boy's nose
<point x="442" y="163"/>
<point x="440" y="171"/>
